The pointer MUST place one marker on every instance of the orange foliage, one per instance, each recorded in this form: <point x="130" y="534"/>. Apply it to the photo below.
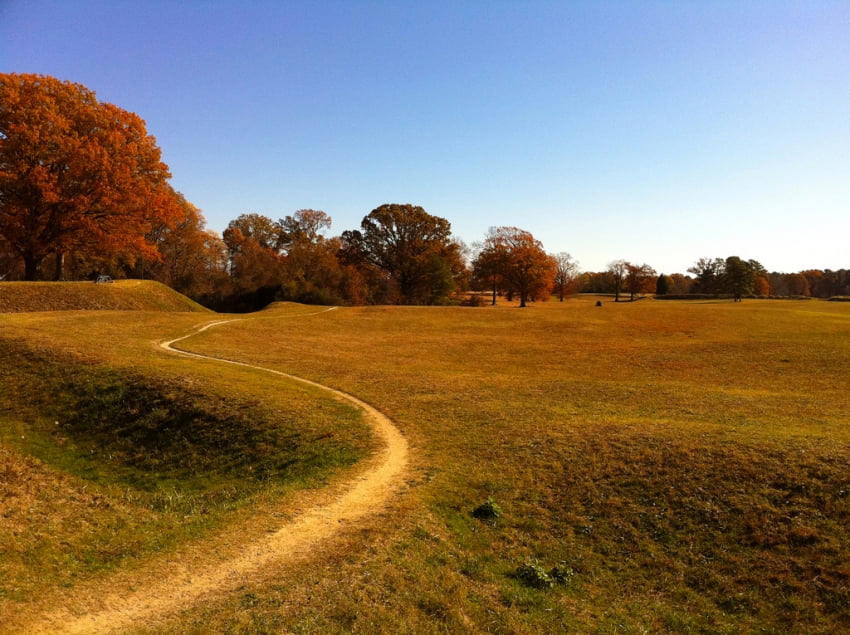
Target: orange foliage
<point x="518" y="259"/>
<point x="639" y="279"/>
<point x="76" y="172"/>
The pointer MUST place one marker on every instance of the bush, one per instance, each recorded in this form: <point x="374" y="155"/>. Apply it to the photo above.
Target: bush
<point x="532" y="574"/>
<point x="561" y="573"/>
<point x="488" y="510"/>
<point x="473" y="299"/>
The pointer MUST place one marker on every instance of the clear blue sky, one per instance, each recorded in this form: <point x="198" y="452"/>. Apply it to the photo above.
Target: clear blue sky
<point x="651" y="131"/>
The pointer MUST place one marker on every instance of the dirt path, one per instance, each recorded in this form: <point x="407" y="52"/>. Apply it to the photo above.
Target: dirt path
<point x="295" y="540"/>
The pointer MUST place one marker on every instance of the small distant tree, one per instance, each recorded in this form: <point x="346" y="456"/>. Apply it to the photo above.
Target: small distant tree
<point x="639" y="279"/>
<point x="680" y="283"/>
<point x="662" y="285"/>
<point x="709" y="273"/>
<point x="303" y="227"/>
<point x="524" y="268"/>
<point x="566" y="274"/>
<point x="617" y="271"/>
<point x="738" y="277"/>
<point x="262" y="230"/>
<point x="193" y="260"/>
<point x="798" y="284"/>
<point x="489" y="265"/>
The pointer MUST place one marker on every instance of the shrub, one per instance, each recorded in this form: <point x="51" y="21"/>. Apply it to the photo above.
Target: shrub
<point x="488" y="510"/>
<point x="533" y="575"/>
<point x="473" y="299"/>
<point x="561" y="573"/>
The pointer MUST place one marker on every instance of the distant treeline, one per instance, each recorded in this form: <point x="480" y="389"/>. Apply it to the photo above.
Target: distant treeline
<point x="729" y="277"/>
<point x="83" y="191"/>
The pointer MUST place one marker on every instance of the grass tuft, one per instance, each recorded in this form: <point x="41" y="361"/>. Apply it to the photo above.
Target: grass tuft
<point x="488" y="510"/>
<point x="533" y="575"/>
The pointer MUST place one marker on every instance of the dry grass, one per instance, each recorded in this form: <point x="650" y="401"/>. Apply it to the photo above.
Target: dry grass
<point x="195" y="447"/>
<point x="121" y="295"/>
<point x="687" y="461"/>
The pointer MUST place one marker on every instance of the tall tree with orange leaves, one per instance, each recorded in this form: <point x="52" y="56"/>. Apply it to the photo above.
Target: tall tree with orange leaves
<point x="75" y="172"/>
<point x="523" y="265"/>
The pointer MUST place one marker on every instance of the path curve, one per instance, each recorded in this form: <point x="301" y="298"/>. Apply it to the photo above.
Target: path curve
<point x="365" y="495"/>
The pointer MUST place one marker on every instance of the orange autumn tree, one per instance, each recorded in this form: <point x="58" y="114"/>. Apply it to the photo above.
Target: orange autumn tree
<point x="76" y="173"/>
<point x="639" y="279"/>
<point x="193" y="259"/>
<point x="522" y="264"/>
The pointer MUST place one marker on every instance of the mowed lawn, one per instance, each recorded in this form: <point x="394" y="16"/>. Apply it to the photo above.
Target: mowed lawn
<point x="687" y="463"/>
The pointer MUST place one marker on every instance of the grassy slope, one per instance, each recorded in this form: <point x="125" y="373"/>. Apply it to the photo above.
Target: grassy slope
<point x="122" y="295"/>
<point x="150" y="450"/>
<point x="688" y="461"/>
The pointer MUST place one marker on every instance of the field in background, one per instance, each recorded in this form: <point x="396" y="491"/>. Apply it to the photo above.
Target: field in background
<point x="688" y="463"/>
<point x="685" y="465"/>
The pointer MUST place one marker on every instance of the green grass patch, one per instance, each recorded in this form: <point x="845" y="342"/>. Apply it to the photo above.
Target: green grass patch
<point x="100" y="467"/>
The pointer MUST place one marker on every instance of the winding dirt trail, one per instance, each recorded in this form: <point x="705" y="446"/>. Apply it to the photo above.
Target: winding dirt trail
<point x="366" y="494"/>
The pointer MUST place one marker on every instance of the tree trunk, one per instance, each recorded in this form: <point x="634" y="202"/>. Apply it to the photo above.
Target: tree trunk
<point x="494" y="290"/>
<point x="30" y="267"/>
<point x="561" y="294"/>
<point x="521" y="300"/>
<point x="60" y="266"/>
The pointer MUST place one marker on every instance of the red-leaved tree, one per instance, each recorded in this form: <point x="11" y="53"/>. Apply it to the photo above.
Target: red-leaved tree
<point x="75" y="173"/>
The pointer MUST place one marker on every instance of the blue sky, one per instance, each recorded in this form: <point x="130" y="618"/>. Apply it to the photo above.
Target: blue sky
<point x="651" y="131"/>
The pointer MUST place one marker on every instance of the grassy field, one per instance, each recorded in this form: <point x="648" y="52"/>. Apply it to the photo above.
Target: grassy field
<point x="113" y="451"/>
<point x="688" y="463"/>
<point x="681" y="465"/>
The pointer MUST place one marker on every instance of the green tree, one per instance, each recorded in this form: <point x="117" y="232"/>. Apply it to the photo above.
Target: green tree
<point x="303" y="227"/>
<point x="412" y="247"/>
<point x="739" y="277"/>
<point x="709" y="273"/>
<point x="662" y="285"/>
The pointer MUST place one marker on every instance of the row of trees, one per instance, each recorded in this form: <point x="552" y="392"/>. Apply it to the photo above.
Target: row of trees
<point x="83" y="190"/>
<point x="401" y="254"/>
<point x="731" y="276"/>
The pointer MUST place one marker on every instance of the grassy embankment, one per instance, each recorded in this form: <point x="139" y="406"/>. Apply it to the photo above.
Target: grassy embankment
<point x="121" y="295"/>
<point x="687" y="464"/>
<point x="112" y="451"/>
